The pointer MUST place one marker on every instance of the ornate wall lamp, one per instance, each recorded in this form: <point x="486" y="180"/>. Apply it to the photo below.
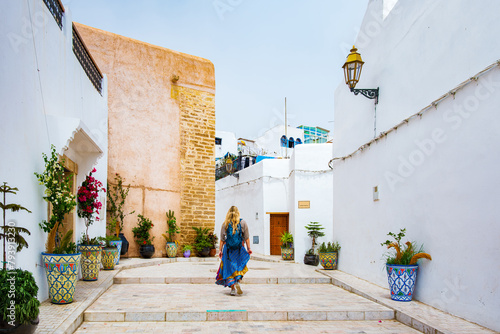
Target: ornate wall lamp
<point x="352" y="71"/>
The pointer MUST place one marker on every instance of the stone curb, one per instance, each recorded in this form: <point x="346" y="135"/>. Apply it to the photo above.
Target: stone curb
<point x="76" y="318"/>
<point x="238" y="315"/>
<point x="376" y="294"/>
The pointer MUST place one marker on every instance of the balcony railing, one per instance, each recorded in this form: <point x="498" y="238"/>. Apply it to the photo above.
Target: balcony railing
<point x="86" y="60"/>
<point x="232" y="166"/>
<point x="57" y="10"/>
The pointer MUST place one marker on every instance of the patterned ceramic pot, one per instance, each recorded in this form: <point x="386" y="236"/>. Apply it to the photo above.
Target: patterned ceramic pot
<point x="328" y="260"/>
<point x="61" y="271"/>
<point x="401" y="281"/>
<point x="109" y="256"/>
<point x="91" y="261"/>
<point x="118" y="244"/>
<point x="171" y="249"/>
<point x="287" y="253"/>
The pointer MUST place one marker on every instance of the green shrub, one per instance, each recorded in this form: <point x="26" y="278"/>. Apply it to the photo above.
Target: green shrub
<point x="18" y="290"/>
<point x="329" y="248"/>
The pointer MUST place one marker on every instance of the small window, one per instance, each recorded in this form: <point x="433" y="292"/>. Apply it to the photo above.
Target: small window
<point x="218" y="141"/>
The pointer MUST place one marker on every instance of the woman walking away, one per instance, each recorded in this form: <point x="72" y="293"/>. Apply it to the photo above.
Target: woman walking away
<point x="234" y="257"/>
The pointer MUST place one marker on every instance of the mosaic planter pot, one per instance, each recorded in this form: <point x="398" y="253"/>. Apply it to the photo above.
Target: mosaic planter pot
<point x="108" y="257"/>
<point x="287" y="253"/>
<point x="171" y="249"/>
<point x="61" y="271"/>
<point x="91" y="261"/>
<point x="402" y="281"/>
<point x="328" y="260"/>
<point x="118" y="244"/>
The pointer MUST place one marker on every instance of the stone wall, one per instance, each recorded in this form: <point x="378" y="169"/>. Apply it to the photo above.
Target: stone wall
<point x="197" y="158"/>
<point x="161" y="132"/>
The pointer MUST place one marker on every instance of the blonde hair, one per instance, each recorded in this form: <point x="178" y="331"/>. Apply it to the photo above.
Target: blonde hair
<point x="233" y="218"/>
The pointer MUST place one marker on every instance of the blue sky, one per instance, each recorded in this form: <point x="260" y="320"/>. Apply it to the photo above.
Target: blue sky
<point x="263" y="50"/>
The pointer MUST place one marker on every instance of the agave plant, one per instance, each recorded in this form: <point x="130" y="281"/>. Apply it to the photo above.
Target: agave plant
<point x="407" y="253"/>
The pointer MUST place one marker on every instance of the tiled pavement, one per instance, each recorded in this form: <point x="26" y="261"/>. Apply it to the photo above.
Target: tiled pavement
<point x="141" y="302"/>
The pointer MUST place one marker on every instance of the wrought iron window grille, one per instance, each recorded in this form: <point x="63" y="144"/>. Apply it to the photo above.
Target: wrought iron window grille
<point x="56" y="9"/>
<point x="85" y="59"/>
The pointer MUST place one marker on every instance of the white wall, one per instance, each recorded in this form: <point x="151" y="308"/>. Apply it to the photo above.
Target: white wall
<point x="437" y="175"/>
<point x="420" y="51"/>
<point x="246" y="193"/>
<point x="228" y="144"/>
<point x="312" y="181"/>
<point x="30" y="95"/>
<point x="276" y="185"/>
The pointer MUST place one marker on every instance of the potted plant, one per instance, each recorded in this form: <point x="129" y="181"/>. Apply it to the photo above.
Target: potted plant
<point x="143" y="237"/>
<point x="402" y="267"/>
<point x="187" y="249"/>
<point x="172" y="244"/>
<point x="18" y="287"/>
<point x="201" y="241"/>
<point x="60" y="259"/>
<point x="286" y="246"/>
<point x="117" y="193"/>
<point x="328" y="255"/>
<point x="109" y="252"/>
<point x="19" y="307"/>
<point x="89" y="206"/>
<point x="212" y="237"/>
<point x="314" y="230"/>
<point x="11" y="231"/>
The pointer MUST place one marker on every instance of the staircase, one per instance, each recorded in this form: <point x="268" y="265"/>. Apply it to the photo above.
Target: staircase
<point x="277" y="296"/>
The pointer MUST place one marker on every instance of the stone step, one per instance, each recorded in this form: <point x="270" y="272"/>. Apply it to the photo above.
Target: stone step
<point x="211" y="280"/>
<point x="231" y="327"/>
<point x="204" y="273"/>
<point x="209" y="302"/>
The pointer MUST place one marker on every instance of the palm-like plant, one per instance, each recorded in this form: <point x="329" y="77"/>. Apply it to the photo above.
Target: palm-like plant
<point x="315" y="231"/>
<point x="172" y="226"/>
<point x="407" y="253"/>
<point x="8" y="231"/>
<point x="286" y="240"/>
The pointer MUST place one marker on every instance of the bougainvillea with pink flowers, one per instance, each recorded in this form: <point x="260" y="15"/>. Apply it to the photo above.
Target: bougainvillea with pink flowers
<point x="88" y="200"/>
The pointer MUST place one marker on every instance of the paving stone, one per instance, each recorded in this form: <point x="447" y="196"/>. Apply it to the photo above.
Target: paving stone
<point x="182" y="302"/>
<point x="248" y="327"/>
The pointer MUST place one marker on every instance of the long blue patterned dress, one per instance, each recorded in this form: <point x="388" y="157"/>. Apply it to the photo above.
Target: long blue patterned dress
<point x="233" y="264"/>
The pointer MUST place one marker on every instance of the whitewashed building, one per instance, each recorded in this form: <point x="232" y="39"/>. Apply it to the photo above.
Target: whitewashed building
<point x="281" y="194"/>
<point x="225" y="142"/>
<point x="270" y="141"/>
<point x="426" y="158"/>
<point x="47" y="97"/>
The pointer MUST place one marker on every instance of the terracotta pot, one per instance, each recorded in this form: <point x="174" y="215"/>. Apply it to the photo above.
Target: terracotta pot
<point x="213" y="251"/>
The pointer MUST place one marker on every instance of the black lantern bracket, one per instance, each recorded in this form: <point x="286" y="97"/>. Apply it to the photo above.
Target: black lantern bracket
<point x="368" y="93"/>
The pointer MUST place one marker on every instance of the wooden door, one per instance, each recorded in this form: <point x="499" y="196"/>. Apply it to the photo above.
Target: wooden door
<point x="279" y="224"/>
